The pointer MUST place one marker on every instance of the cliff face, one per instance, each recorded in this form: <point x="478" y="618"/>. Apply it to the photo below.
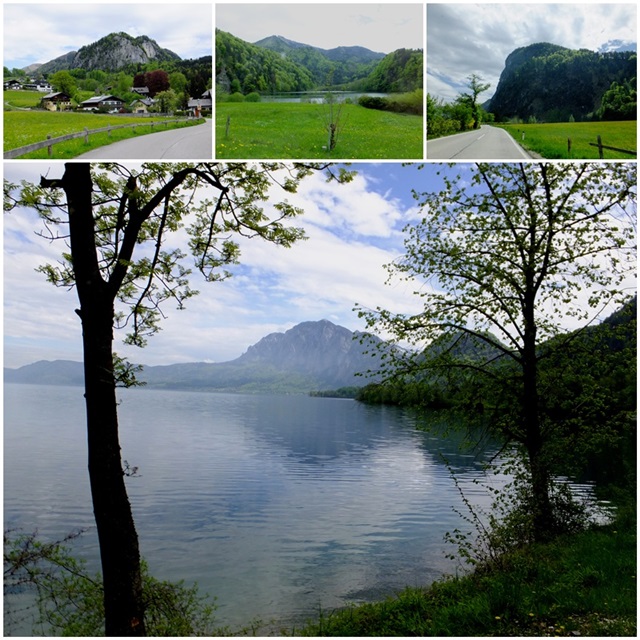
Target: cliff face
<point x="111" y="53"/>
<point x="326" y="351"/>
<point x="553" y="83"/>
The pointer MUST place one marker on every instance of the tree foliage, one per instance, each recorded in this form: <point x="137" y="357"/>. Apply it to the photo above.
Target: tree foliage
<point x="256" y="69"/>
<point x="551" y="83"/>
<point x="507" y="254"/>
<point x="69" y="599"/>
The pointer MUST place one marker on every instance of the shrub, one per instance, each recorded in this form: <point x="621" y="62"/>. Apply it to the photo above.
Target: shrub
<point x="254" y="96"/>
<point x="70" y="601"/>
<point x="236" y="97"/>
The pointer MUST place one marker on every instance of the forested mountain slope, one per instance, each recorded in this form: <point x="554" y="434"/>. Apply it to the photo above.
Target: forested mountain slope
<point x="552" y="83"/>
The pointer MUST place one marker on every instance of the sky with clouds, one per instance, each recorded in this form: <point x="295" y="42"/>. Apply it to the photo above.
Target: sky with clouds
<point x="38" y="33"/>
<point x="379" y="27"/>
<point x="353" y="230"/>
<point x="463" y="39"/>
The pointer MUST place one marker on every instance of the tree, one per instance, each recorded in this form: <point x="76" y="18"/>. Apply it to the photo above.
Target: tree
<point x="111" y="213"/>
<point x="476" y="87"/>
<point x="166" y="101"/>
<point x="156" y="81"/>
<point x="505" y="256"/>
<point x="63" y="81"/>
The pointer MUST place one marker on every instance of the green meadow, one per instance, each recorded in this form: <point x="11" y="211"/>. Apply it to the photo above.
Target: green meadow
<point x="26" y="127"/>
<point x="298" y="130"/>
<point x="552" y="140"/>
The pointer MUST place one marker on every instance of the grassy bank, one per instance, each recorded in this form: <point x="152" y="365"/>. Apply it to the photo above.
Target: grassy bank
<point x="26" y="127"/>
<point x="551" y="140"/>
<point x="297" y="130"/>
<point x="583" y="584"/>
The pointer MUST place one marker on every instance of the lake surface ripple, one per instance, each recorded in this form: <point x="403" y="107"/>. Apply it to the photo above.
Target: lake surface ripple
<point x="275" y="505"/>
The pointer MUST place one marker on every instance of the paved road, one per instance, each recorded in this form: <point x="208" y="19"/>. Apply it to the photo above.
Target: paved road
<point x="487" y="143"/>
<point x="189" y="143"/>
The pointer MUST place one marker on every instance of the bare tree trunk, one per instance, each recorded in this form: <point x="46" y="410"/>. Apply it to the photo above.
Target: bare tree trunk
<point x="119" y="552"/>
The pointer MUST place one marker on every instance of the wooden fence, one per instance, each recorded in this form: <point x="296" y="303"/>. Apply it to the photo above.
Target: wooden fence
<point x="601" y="148"/>
<point x="49" y="142"/>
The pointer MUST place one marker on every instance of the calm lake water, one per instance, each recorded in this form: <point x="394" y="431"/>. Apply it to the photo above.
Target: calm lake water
<point x="276" y="505"/>
<point x="318" y="96"/>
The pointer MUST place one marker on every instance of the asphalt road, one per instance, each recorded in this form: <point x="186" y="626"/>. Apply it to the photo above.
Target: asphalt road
<point x="486" y="143"/>
<point x="188" y="143"/>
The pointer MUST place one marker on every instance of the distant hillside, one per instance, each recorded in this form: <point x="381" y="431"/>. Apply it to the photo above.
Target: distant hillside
<point x="400" y="71"/>
<point x="277" y="64"/>
<point x="337" y="66"/>
<point x="111" y="53"/>
<point x="244" y="67"/>
<point x="552" y="83"/>
<point x="309" y="357"/>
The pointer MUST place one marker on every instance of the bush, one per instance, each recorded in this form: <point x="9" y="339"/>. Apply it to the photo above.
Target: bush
<point x="398" y="103"/>
<point x="70" y="601"/>
<point x="254" y="96"/>
<point x="236" y="97"/>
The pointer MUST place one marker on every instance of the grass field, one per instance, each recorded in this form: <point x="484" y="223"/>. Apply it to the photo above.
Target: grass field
<point x="26" y="127"/>
<point x="293" y="130"/>
<point x="551" y="140"/>
<point x="21" y="99"/>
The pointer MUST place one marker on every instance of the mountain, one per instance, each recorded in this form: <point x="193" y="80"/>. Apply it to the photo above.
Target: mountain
<point x="309" y="357"/>
<point x="552" y="83"/>
<point x="245" y="67"/>
<point x="336" y="66"/>
<point x="111" y="53"/>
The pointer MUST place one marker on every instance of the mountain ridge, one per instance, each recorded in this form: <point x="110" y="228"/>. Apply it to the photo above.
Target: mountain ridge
<point x="110" y="53"/>
<point x="310" y="356"/>
<point x="552" y="83"/>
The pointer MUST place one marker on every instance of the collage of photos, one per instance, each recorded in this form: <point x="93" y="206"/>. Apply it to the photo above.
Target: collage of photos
<point x="319" y="319"/>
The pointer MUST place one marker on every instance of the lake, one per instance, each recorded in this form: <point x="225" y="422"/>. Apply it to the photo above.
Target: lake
<point x="276" y="505"/>
<point x="318" y="96"/>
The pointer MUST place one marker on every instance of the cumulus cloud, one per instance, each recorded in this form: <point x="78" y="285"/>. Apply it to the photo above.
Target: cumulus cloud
<point x="60" y="28"/>
<point x="477" y="38"/>
<point x="353" y="230"/>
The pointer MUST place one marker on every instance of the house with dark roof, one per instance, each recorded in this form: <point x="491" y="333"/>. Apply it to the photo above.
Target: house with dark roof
<point x="204" y="102"/>
<point x="108" y="102"/>
<point x="57" y="101"/>
<point x="142" y="105"/>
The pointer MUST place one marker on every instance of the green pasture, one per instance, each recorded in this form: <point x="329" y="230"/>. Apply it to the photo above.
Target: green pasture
<point x="551" y="140"/>
<point x="21" y="99"/>
<point x="298" y="130"/>
<point x="27" y="127"/>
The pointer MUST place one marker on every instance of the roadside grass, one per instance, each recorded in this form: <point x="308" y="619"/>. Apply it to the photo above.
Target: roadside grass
<point x="583" y="584"/>
<point x="292" y="130"/>
<point x="26" y="127"/>
<point x="551" y="140"/>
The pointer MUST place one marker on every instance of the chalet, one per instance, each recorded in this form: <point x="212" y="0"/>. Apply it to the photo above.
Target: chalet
<point x="57" y="101"/>
<point x="203" y="103"/>
<point x="142" y="105"/>
<point x="143" y="91"/>
<point x="40" y="85"/>
<point x="12" y="84"/>
<point x="108" y="103"/>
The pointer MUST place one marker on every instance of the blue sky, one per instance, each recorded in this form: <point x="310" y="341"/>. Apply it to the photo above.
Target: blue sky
<point x="464" y="38"/>
<point x="353" y="230"/>
<point x="40" y="32"/>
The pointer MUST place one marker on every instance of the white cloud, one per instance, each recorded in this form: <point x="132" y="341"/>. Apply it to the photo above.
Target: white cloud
<point x="185" y="29"/>
<point x="353" y="230"/>
<point x="477" y="38"/>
